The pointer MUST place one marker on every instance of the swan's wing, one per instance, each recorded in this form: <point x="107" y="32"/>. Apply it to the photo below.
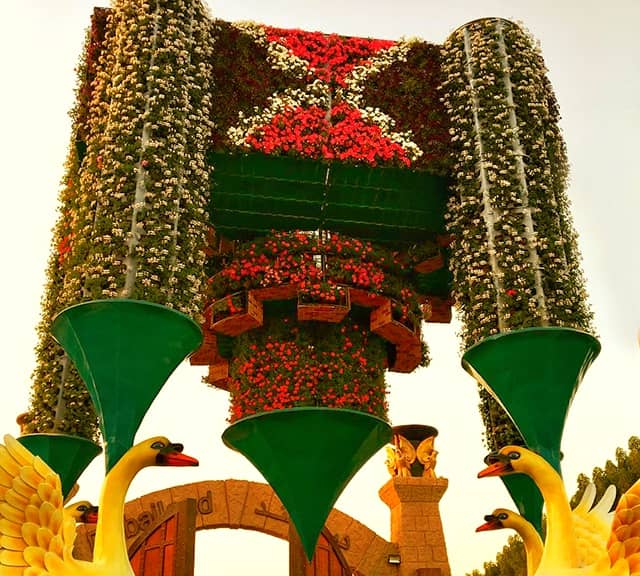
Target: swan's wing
<point x="624" y="542"/>
<point x="592" y="525"/>
<point x="33" y="526"/>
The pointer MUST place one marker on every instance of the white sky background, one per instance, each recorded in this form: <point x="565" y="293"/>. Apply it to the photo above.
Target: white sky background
<point x="593" y="56"/>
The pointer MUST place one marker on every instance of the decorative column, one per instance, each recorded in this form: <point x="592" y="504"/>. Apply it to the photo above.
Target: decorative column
<point x="413" y="494"/>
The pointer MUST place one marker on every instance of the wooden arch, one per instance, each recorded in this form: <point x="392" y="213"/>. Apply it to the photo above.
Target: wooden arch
<point x="245" y="505"/>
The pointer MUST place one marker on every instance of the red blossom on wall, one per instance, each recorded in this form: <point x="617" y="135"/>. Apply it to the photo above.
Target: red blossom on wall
<point x="342" y="135"/>
<point x="331" y="56"/>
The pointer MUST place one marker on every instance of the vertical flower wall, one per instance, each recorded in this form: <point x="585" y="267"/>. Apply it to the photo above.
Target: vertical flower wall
<point x="134" y="207"/>
<point x="514" y="257"/>
<point x="364" y="102"/>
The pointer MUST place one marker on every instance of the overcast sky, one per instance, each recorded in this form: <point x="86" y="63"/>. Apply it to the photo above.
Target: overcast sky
<point x="593" y="57"/>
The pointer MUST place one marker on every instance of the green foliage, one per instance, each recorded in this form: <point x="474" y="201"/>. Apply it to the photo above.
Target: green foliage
<point x="622" y="474"/>
<point x="510" y="562"/>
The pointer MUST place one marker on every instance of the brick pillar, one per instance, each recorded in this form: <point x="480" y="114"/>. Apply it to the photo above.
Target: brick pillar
<point x="415" y="524"/>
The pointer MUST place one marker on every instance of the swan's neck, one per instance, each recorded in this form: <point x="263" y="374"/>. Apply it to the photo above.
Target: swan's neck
<point x="532" y="546"/>
<point x="560" y="543"/>
<point x="110" y="541"/>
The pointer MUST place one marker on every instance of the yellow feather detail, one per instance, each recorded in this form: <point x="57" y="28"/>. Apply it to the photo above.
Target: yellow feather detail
<point x="34" y="557"/>
<point x="616" y="551"/>
<point x="56" y="521"/>
<point x="41" y="467"/>
<point x="35" y="500"/>
<point x="631" y="546"/>
<point x="32" y="514"/>
<point x="55" y="564"/>
<point x="46" y="511"/>
<point x="30" y="477"/>
<point x="16" y="500"/>
<point x="30" y="533"/>
<point x="18" y="451"/>
<point x="9" y="528"/>
<point x="12" y="543"/>
<point x="622" y="532"/>
<point x="634" y="565"/>
<point x="10" y="513"/>
<point x="22" y="488"/>
<point x="44" y="537"/>
<point x="17" y="571"/>
<point x="57" y="545"/>
<point x="8" y="462"/>
<point x="12" y="558"/>
<point x="3" y="491"/>
<point x="5" y="478"/>
<point x="45" y="491"/>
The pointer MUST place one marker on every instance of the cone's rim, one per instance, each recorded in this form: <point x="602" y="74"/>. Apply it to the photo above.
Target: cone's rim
<point x="531" y="330"/>
<point x="81" y="439"/>
<point x="302" y="409"/>
<point x="125" y="301"/>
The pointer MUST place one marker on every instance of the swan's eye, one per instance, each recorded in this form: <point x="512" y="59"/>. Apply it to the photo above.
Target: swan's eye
<point x="502" y="516"/>
<point x="514" y="455"/>
<point x="158" y="445"/>
<point x="82" y="508"/>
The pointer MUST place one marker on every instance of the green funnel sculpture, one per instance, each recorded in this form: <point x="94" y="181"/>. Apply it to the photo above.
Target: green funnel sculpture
<point x="526" y="497"/>
<point x="67" y="455"/>
<point x="308" y="456"/>
<point x="534" y="373"/>
<point x="124" y="350"/>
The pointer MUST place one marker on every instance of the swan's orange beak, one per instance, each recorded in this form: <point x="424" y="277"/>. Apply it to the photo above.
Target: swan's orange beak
<point x="496" y="469"/>
<point x="497" y="465"/>
<point x="491" y="523"/>
<point x="172" y="456"/>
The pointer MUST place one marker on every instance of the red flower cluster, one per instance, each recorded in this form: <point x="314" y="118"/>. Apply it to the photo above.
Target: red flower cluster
<point x="335" y="367"/>
<point x="345" y="135"/>
<point x="330" y="56"/>
<point x="319" y="268"/>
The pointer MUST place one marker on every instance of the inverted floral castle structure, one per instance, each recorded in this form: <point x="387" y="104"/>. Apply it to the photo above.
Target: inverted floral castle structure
<point x="310" y="199"/>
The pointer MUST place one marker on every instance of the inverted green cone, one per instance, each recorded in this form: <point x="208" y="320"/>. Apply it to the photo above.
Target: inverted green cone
<point x="526" y="496"/>
<point x="124" y="350"/>
<point x="68" y="456"/>
<point x="534" y="373"/>
<point x="308" y="456"/>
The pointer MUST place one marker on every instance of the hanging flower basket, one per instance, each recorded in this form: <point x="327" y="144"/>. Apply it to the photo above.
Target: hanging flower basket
<point x="364" y="298"/>
<point x="437" y="310"/>
<point x="281" y="292"/>
<point x="219" y="374"/>
<point x="408" y="358"/>
<point x="330" y="306"/>
<point x="207" y="353"/>
<point x="236" y="313"/>
<point x="386" y="321"/>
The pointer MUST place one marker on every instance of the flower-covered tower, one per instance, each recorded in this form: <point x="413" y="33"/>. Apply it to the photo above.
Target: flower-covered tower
<point x="133" y="207"/>
<point x="516" y="268"/>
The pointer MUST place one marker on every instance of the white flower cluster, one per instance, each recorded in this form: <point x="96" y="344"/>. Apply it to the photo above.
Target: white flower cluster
<point x="142" y="209"/>
<point x="317" y="93"/>
<point x="314" y="94"/>
<point x="515" y="260"/>
<point x="278" y="55"/>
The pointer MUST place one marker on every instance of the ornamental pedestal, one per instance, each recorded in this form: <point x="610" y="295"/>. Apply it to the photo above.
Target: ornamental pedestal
<point x="416" y="525"/>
